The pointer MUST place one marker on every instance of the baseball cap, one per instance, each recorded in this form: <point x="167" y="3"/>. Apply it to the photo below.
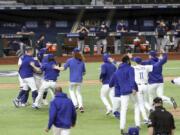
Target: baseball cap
<point x="153" y="53"/>
<point x="137" y="59"/>
<point x="157" y="100"/>
<point x="76" y="50"/>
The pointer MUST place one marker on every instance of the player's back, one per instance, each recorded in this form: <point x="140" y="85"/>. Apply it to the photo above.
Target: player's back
<point x="141" y="73"/>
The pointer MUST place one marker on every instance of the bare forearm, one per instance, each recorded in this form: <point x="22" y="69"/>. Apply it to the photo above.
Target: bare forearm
<point x="172" y="132"/>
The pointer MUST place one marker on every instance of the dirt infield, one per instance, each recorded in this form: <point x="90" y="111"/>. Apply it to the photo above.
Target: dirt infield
<point x="95" y="58"/>
<point x="64" y="83"/>
<point x="176" y="113"/>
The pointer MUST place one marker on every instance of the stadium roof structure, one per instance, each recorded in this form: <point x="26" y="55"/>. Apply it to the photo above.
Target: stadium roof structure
<point x="61" y="7"/>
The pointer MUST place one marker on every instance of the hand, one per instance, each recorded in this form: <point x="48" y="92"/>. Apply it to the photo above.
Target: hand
<point x="162" y="50"/>
<point x="129" y="55"/>
<point x="46" y="130"/>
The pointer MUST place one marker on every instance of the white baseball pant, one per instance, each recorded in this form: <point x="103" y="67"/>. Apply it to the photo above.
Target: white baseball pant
<point x="75" y="94"/>
<point x="177" y="81"/>
<point x="104" y="93"/>
<point x="60" y="131"/>
<point x="157" y="89"/>
<point x="21" y="83"/>
<point x="116" y="104"/>
<point x="46" y="85"/>
<point x="38" y="80"/>
<point x="124" y="107"/>
<point x="29" y="83"/>
<point x="142" y="96"/>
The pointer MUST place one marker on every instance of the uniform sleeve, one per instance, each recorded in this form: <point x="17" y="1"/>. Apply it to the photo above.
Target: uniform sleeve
<point x="103" y="72"/>
<point x="161" y="61"/>
<point x="132" y="79"/>
<point x="151" y="122"/>
<point x="149" y="68"/>
<point x="19" y="62"/>
<point x="52" y="114"/>
<point x="67" y="64"/>
<point x="112" y="81"/>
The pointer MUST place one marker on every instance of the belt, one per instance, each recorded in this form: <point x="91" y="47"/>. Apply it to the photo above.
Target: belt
<point x="50" y="81"/>
<point x="142" y="84"/>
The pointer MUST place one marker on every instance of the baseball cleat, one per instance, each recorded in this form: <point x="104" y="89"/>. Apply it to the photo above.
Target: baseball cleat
<point x="108" y="112"/>
<point x="173" y="102"/>
<point x="81" y="109"/>
<point x="116" y="115"/>
<point x="16" y="103"/>
<point x="35" y="106"/>
<point x="146" y="122"/>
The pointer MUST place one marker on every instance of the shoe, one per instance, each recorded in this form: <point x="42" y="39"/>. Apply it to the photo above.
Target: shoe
<point x="173" y="102"/>
<point x="45" y="102"/>
<point x="16" y="103"/>
<point x="81" y="109"/>
<point x="172" y="81"/>
<point x="122" y="132"/>
<point x="76" y="107"/>
<point x="108" y="112"/>
<point x="117" y="115"/>
<point x="35" y="106"/>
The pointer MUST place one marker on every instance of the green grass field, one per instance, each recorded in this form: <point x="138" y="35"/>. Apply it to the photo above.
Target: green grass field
<point x="26" y="121"/>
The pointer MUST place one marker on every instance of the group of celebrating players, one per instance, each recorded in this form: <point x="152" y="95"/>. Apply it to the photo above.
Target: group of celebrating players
<point x="39" y="74"/>
<point x="141" y="82"/>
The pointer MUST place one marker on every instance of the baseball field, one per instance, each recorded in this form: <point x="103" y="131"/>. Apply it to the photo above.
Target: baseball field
<point x="27" y="121"/>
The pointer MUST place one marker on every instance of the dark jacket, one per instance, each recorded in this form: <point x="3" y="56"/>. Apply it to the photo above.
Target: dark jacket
<point x="62" y="113"/>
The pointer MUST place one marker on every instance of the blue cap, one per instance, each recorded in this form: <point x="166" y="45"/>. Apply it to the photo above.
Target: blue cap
<point x="105" y="57"/>
<point x="133" y="131"/>
<point x="137" y="59"/>
<point x="153" y="53"/>
<point x="76" y="50"/>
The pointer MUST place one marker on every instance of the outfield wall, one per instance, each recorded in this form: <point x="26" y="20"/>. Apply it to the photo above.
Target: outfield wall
<point x="95" y="58"/>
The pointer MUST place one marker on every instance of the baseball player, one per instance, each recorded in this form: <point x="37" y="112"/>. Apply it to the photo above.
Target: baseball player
<point x="26" y="71"/>
<point x="77" y="69"/>
<point x="107" y="70"/>
<point x="155" y="80"/>
<point x="124" y="77"/>
<point x="51" y="72"/>
<point x="141" y="79"/>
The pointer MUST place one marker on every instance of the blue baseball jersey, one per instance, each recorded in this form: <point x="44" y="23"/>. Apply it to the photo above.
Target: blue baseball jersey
<point x="41" y="53"/>
<point x="156" y="75"/>
<point x="49" y="72"/>
<point x="26" y="70"/>
<point x="45" y="58"/>
<point x="124" y="79"/>
<point x="77" y="69"/>
<point x="107" y="70"/>
<point x="62" y="113"/>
